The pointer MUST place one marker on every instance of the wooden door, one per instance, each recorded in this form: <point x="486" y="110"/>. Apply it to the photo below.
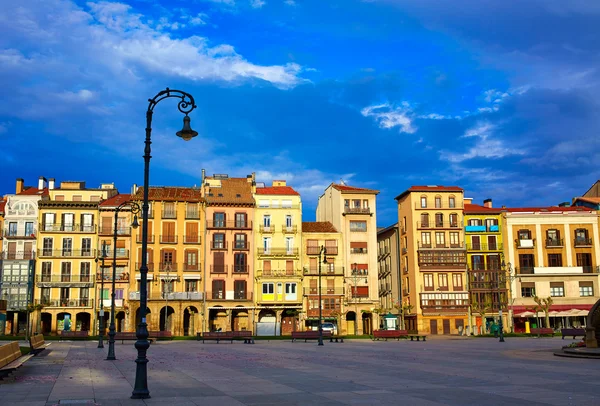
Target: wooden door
<point x="446" y="326"/>
<point x="433" y="326"/>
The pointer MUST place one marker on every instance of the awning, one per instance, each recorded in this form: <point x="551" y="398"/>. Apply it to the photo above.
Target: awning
<point x="192" y="276"/>
<point x="527" y="314"/>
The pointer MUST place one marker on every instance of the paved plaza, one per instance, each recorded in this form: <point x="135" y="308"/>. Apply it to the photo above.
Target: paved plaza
<point x="441" y="371"/>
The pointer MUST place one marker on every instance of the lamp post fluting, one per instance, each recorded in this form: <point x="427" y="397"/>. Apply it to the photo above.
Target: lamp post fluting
<point x="185" y="105"/>
<point x="322" y="252"/>
<point x="101" y="312"/>
<point x="135" y="210"/>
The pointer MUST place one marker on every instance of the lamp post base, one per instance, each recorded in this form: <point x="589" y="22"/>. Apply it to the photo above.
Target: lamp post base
<point x="101" y="342"/>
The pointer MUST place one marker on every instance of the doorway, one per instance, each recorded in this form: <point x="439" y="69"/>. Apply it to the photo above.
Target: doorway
<point x="433" y="326"/>
<point x="446" y="326"/>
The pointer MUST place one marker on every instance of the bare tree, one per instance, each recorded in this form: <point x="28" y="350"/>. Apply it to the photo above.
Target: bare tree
<point x="544" y="304"/>
<point x="481" y="309"/>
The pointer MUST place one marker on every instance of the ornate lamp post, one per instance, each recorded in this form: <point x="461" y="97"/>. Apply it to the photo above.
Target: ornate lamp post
<point x="101" y="312"/>
<point x="322" y="252"/>
<point x="504" y="278"/>
<point x="185" y="105"/>
<point x="135" y="210"/>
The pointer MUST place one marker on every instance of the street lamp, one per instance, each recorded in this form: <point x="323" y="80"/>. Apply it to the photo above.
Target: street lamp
<point x="135" y="210"/>
<point x="185" y="105"/>
<point x="504" y="278"/>
<point x="322" y="251"/>
<point x="355" y="295"/>
<point x="101" y="312"/>
<point x="166" y="290"/>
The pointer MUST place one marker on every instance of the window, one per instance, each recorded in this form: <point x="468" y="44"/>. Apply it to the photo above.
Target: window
<point x="452" y="202"/>
<point x="263" y="203"/>
<point x="118" y="294"/>
<point x="191" y="285"/>
<point x="267" y="222"/>
<point x="84" y="296"/>
<point x="46" y="271"/>
<point x="426" y="239"/>
<point x="289" y="245"/>
<point x="169" y="210"/>
<point x="454" y="239"/>
<point x="585" y="260"/>
<point x="67" y="247"/>
<point x="457" y="281"/>
<point x="219" y="220"/>
<point x="240" y="263"/>
<point x="48" y="222"/>
<point x="68" y="220"/>
<point x="240" y="241"/>
<point x="527" y="289"/>
<point x="167" y="286"/>
<point x="65" y="272"/>
<point x="492" y="246"/>
<point x="267" y="288"/>
<point x="443" y="281"/>
<point x="524" y="234"/>
<point x="475" y="222"/>
<point x="526" y="263"/>
<point x="360" y="226"/>
<point x="240" y="220"/>
<point x="191" y="211"/>
<point x="586" y="289"/>
<point x="84" y="272"/>
<point x="438" y="202"/>
<point x="290" y="288"/>
<point x="493" y="262"/>
<point x="439" y="220"/>
<point x="553" y="238"/>
<point x="288" y="221"/>
<point x="581" y="237"/>
<point x="554" y="259"/>
<point x="191" y="260"/>
<point x="12" y="229"/>
<point x="45" y="294"/>
<point x="453" y="220"/>
<point x="218" y="241"/>
<point x="86" y="247"/>
<point x="440" y="241"/>
<point x="423" y="202"/>
<point x="29" y="231"/>
<point x="425" y="220"/>
<point x="218" y="289"/>
<point x="428" y="281"/>
<point x="267" y="245"/>
<point x="477" y="262"/>
<point x="356" y="203"/>
<point x="346" y="203"/>
<point x="557" y="289"/>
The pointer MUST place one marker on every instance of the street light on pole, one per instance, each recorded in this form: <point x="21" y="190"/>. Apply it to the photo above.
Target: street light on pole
<point x="355" y="297"/>
<point x="504" y="278"/>
<point x="101" y="312"/>
<point x="166" y="290"/>
<point x="323" y="252"/>
<point x="185" y="105"/>
<point x="135" y="210"/>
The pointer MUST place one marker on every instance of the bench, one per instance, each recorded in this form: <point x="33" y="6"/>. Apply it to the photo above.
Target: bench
<point x="73" y="334"/>
<point x="418" y="336"/>
<point x="163" y="335"/>
<point x="215" y="336"/>
<point x="11" y="358"/>
<point x="309" y="335"/>
<point x="37" y="343"/>
<point x="542" y="331"/>
<point x="385" y="334"/>
<point x="125" y="336"/>
<point x="243" y="335"/>
<point x="566" y="332"/>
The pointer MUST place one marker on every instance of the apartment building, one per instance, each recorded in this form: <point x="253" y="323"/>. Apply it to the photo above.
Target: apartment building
<point x="230" y="258"/>
<point x="66" y="253"/>
<point x="433" y="257"/>
<point x="553" y="252"/>
<point x="388" y="269"/>
<point x="18" y="252"/>
<point x="175" y="258"/>
<point x="277" y="263"/>
<point x="352" y="211"/>
<point x="323" y="250"/>
<point x="123" y="251"/>
<point x="488" y="280"/>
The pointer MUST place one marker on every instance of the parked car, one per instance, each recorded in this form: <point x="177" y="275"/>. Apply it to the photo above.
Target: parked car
<point x="329" y="327"/>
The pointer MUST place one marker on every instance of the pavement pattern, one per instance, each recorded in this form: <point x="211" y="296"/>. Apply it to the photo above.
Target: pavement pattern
<point x="441" y="371"/>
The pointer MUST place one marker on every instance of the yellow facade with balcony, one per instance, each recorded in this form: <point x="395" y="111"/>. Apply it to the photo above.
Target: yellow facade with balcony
<point x="277" y="258"/>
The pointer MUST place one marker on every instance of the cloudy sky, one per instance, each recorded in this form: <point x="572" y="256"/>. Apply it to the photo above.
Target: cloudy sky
<point x="499" y="97"/>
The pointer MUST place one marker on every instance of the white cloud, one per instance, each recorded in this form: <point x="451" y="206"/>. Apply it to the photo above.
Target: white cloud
<point x="80" y="96"/>
<point x="257" y="3"/>
<point x="290" y="2"/>
<point x="199" y="19"/>
<point x="388" y="116"/>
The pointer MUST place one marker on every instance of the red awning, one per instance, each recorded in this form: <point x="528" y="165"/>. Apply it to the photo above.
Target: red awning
<point x="553" y="308"/>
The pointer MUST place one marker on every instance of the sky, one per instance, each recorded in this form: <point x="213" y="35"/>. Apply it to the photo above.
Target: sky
<point x="500" y="98"/>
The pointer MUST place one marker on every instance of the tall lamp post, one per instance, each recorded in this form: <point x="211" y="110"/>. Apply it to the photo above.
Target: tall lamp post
<point x="322" y="252"/>
<point x="185" y="105"/>
<point x="166" y="291"/>
<point x="135" y="210"/>
<point x="503" y="279"/>
<point x="101" y="312"/>
<point x="355" y="295"/>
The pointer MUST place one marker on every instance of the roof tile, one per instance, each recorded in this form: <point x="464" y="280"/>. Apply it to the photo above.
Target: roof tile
<point x="171" y="194"/>
<point x="232" y="191"/>
<point x="318" y="227"/>
<point x="277" y="190"/>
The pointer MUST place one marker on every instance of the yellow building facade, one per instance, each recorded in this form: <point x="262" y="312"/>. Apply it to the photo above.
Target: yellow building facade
<point x="433" y="259"/>
<point x="66" y="264"/>
<point x="277" y="262"/>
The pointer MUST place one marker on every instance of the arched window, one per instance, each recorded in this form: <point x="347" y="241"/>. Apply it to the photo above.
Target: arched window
<point x="452" y="202"/>
<point x="424" y="220"/>
<point x="453" y="220"/>
<point x="438" y="202"/>
<point x="439" y="220"/>
<point x="423" y="202"/>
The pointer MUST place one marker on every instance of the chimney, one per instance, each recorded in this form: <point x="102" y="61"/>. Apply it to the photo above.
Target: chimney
<point x="203" y="177"/>
<point x="19" y="187"/>
<point x="487" y="203"/>
<point x="468" y="200"/>
<point x="134" y="189"/>
<point x="279" y="183"/>
<point x="41" y="183"/>
<point x="51" y="182"/>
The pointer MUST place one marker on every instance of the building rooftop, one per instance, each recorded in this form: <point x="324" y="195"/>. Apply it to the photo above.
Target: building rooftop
<point x="318" y="227"/>
<point x="232" y="191"/>
<point x="171" y="194"/>
<point x="551" y="209"/>
<point x="115" y="200"/>
<point x="30" y="191"/>
<point x="277" y="190"/>
<point x="353" y="189"/>
<point x="478" y="209"/>
<point x="430" y="188"/>
<point x="593" y="200"/>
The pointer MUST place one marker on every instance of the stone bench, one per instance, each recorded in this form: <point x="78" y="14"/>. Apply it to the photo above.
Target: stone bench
<point x="37" y="343"/>
<point x="73" y="334"/>
<point x="11" y="358"/>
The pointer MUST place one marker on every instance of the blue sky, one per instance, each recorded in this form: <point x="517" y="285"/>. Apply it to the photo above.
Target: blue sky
<point x="501" y="98"/>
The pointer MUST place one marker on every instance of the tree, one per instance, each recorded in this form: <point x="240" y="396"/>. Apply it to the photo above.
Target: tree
<point x="403" y="309"/>
<point x="544" y="304"/>
<point x="482" y="309"/>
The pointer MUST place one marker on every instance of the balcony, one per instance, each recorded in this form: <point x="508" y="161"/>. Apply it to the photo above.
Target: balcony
<point x="121" y="254"/>
<point x="123" y="277"/>
<point x="442" y="205"/>
<point x="438" y="225"/>
<point x="447" y="259"/>
<point x="167" y="266"/>
<point x="313" y="250"/>
<point x="111" y="230"/>
<point x="169" y="214"/>
<point x="358" y="250"/>
<point x="278" y="252"/>
<point x="325" y="271"/>
<point x="445" y="303"/>
<point x="484" y="247"/>
<point x="191" y="239"/>
<point x="384" y="288"/>
<point x="266" y="229"/>
<point x="310" y="312"/>
<point x="44" y="253"/>
<point x="311" y="291"/>
<point x="20" y="234"/>
<point x="68" y="228"/>
<point x="289" y="229"/>
<point x="525" y="243"/>
<point x="359" y="272"/>
<point x="18" y="255"/>
<point x="170" y="296"/>
<point x="64" y="281"/>
<point x="168" y="239"/>
<point x="492" y="228"/>
<point x="218" y="245"/>
<point x="279" y="273"/>
<point x="218" y="269"/>
<point x="65" y="302"/>
<point x="232" y="224"/>
<point x="191" y="267"/>
<point x="229" y="295"/>
<point x="441" y="245"/>
<point x="240" y="269"/>
<point x="357" y="210"/>
<point x="150" y="266"/>
<point x="23" y="213"/>
<point x="582" y="242"/>
<point x="557" y="270"/>
<point x="138" y="239"/>
<point x="241" y="246"/>
<point x="192" y="215"/>
<point x="554" y="242"/>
